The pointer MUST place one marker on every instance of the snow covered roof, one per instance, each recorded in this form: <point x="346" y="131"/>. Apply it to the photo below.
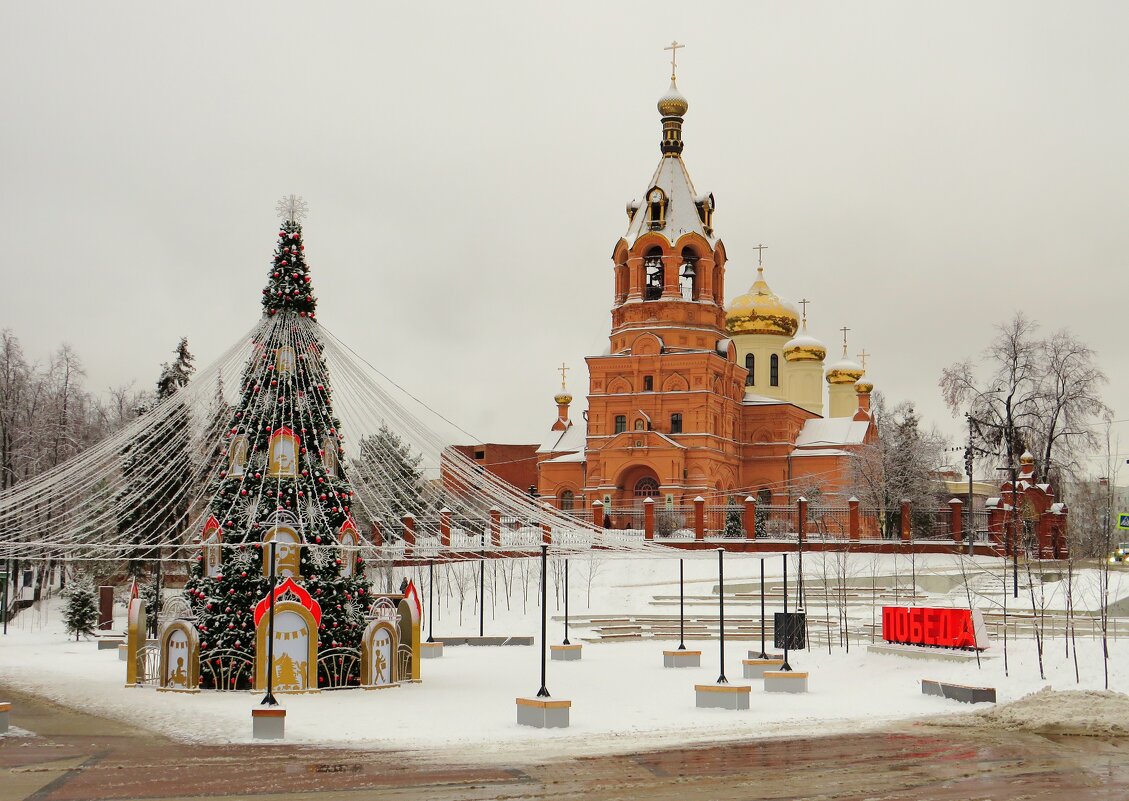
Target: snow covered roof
<point x="758" y="400"/>
<point x="820" y="452"/>
<point x="681" y="212"/>
<point x="832" y="431"/>
<point x="571" y="439"/>
<point x="568" y="457"/>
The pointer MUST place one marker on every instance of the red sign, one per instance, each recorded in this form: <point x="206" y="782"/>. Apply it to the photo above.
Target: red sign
<point x="922" y="625"/>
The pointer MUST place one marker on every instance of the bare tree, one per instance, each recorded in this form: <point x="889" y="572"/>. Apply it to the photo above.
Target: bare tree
<point x="903" y="463"/>
<point x="1037" y="394"/>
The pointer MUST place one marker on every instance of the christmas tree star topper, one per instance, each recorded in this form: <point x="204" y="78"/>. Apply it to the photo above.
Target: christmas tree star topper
<point x="292" y="208"/>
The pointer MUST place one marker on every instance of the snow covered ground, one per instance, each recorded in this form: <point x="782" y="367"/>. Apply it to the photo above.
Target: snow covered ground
<point x="622" y="697"/>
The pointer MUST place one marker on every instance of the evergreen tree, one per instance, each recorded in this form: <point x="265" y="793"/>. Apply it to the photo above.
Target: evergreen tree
<point x="80" y="613"/>
<point x="734" y="525"/>
<point x="389" y="480"/>
<point x="284" y="392"/>
<point x="157" y="468"/>
<point x="150" y="593"/>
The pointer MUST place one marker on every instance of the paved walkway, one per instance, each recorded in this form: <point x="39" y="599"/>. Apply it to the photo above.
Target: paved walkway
<point x="76" y="756"/>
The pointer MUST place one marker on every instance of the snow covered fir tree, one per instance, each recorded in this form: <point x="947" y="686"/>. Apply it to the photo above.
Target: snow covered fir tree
<point x="80" y="615"/>
<point x="284" y="482"/>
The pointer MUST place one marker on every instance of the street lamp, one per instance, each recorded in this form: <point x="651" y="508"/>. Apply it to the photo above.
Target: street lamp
<point x="1012" y="534"/>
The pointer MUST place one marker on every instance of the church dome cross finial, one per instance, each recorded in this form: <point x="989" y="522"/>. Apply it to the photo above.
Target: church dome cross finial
<point x="672" y="107"/>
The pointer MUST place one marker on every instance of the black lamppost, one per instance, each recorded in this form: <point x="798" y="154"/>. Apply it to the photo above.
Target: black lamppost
<point x="431" y="601"/>
<point x="566" y="642"/>
<point x="721" y="610"/>
<point x="544" y="691"/>
<point x="269" y="699"/>
<point x="763" y="653"/>
<point x="787" y="627"/>
<point x="681" y="609"/>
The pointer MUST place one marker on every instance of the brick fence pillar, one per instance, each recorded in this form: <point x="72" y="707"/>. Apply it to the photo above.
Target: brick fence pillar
<point x="495" y="527"/>
<point x="699" y="518"/>
<point x="907" y="520"/>
<point x="853" y="519"/>
<point x="648" y="518"/>
<point x="409" y="530"/>
<point x="750" y="517"/>
<point x="802" y="515"/>
<point x="445" y="527"/>
<point x="956" y="519"/>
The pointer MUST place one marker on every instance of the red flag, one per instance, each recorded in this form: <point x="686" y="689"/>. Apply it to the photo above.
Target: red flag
<point x="412" y="595"/>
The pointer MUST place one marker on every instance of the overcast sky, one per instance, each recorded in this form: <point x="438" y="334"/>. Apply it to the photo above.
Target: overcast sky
<point x="919" y="171"/>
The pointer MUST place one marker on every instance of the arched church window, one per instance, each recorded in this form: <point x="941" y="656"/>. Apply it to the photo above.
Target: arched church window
<point x="676" y="423"/>
<point x="654" y="278"/>
<point x="648" y="383"/>
<point x="751" y="366"/>
<point x="688" y="275"/>
<point x="774" y="370"/>
<point x="568" y="500"/>
<point x="764" y="497"/>
<point x="646" y="487"/>
<point x="620" y="423"/>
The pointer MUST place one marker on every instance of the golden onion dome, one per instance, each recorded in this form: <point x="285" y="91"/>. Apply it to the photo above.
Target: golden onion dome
<point x="673" y="103"/>
<point x="761" y="311"/>
<point x="844" y="371"/>
<point x="1027" y="458"/>
<point x="563" y="398"/>
<point x="804" y="348"/>
<point x="864" y="386"/>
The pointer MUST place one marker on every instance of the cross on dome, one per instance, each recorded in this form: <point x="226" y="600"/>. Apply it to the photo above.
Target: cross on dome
<point x="674" y="48"/>
<point x="760" y="249"/>
<point x="804" y="305"/>
<point x="563" y="370"/>
<point x="844" y="329"/>
<point x="862" y="357"/>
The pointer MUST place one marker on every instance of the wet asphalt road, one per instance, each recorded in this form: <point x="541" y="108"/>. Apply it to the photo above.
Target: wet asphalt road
<point x="77" y="756"/>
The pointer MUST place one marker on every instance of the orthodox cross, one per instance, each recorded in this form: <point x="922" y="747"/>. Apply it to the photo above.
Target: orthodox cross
<point x="862" y="357"/>
<point x="844" y="329"/>
<point x="804" y="304"/>
<point x="760" y="249"/>
<point x="674" y="48"/>
<point x="563" y="370"/>
<point x="292" y="208"/>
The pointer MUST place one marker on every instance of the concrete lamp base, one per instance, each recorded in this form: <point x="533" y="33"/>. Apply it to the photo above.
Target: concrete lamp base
<point x="5" y="711"/>
<point x="785" y="681"/>
<point x="109" y="643"/>
<point x="123" y="653"/>
<point x="268" y="723"/>
<point x="681" y="659"/>
<point x="430" y="650"/>
<point x="755" y="668"/>
<point x="543" y="713"/>
<point x="565" y="653"/>
<point x="774" y="657"/>
<point x="722" y="696"/>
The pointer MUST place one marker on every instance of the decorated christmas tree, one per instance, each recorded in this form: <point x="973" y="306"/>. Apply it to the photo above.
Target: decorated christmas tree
<point x="283" y="479"/>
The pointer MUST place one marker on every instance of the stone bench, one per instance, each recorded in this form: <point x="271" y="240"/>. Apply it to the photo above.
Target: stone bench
<point x="110" y="643"/>
<point x="543" y="713"/>
<point x="268" y="723"/>
<point x="722" y="696"/>
<point x="785" y="681"/>
<point x="756" y="668"/>
<point x="431" y="650"/>
<point x="959" y="692"/>
<point x="5" y="711"/>
<point x="565" y="653"/>
<point x="681" y="659"/>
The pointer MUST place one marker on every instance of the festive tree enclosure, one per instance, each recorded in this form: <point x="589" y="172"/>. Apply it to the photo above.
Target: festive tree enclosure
<point x="283" y="487"/>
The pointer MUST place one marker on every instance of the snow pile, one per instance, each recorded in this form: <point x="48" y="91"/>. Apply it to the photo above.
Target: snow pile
<point x="1098" y="713"/>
